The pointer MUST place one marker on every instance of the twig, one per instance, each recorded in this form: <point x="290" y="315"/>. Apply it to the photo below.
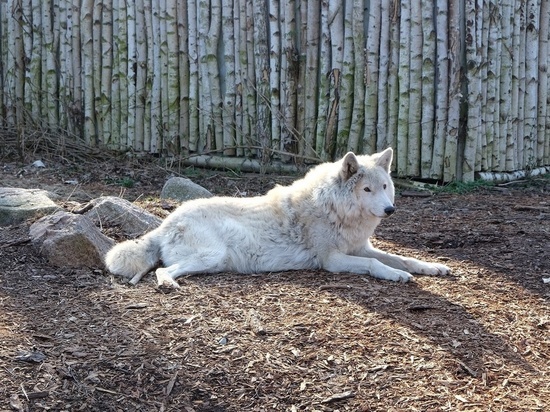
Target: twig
<point x="171" y="384"/>
<point x="339" y="397"/>
<point x="99" y="389"/>
<point x="17" y="242"/>
<point x="24" y="392"/>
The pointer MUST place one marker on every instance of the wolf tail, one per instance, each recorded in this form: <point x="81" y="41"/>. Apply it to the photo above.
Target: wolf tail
<point x="133" y="258"/>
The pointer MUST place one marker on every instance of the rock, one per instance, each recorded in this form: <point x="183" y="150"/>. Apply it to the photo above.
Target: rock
<point x="69" y="240"/>
<point x="182" y="189"/>
<point x="114" y="211"/>
<point x="18" y="205"/>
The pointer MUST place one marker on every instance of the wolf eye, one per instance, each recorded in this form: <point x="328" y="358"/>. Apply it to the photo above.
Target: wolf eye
<point x="367" y="189"/>
<point x="385" y="186"/>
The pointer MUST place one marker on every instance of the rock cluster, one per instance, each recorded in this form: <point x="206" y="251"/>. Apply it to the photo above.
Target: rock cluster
<point x="76" y="239"/>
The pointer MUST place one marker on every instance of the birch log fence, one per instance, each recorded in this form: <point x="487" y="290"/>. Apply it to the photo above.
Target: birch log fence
<point x="457" y="87"/>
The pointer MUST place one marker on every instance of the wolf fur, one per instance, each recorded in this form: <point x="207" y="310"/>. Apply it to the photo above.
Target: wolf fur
<point x="323" y="221"/>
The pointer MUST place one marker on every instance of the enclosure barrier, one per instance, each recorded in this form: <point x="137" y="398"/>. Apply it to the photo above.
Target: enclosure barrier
<point x="455" y="86"/>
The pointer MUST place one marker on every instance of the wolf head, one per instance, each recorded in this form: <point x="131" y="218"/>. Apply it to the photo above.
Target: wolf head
<point x="369" y="179"/>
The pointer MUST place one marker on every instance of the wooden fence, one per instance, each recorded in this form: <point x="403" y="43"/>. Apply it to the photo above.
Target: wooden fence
<point x="455" y="86"/>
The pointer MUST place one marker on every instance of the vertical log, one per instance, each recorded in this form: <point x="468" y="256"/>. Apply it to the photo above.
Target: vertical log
<point x="241" y="115"/>
<point x="33" y="50"/>
<point x="50" y="86"/>
<point x="482" y="161"/>
<point x="382" y="139"/>
<point x="150" y="134"/>
<point x="324" y="85"/>
<point x="251" y="86"/>
<point x="89" y="77"/>
<point x="506" y="152"/>
<point x="404" y="86"/>
<point x="300" y="91"/>
<point x="76" y="110"/>
<point x="172" y="122"/>
<point x="346" y="83"/>
<point x="514" y="82"/>
<point x="453" y="114"/>
<point x="531" y="82"/>
<point x="357" y="133"/>
<point x="543" y="122"/>
<point x="119" y="49"/>
<point x="27" y="35"/>
<point x="311" y="75"/>
<point x="428" y="88"/>
<point x="229" y="58"/>
<point x="519" y="53"/>
<point x="261" y="62"/>
<point x="474" y="91"/>
<point x="155" y="71"/>
<point x="393" y="82"/>
<point x="336" y="26"/>
<point x="441" y="89"/>
<point x="289" y="77"/>
<point x="492" y="104"/>
<point x="374" y="59"/>
<point x="63" y="29"/>
<point x="105" y="94"/>
<point x="165" y="144"/>
<point x="194" y="128"/>
<point x="3" y="59"/>
<point x="184" y="79"/>
<point x="10" y="67"/>
<point x="128" y="88"/>
<point x="141" y="77"/>
<point x="275" y="71"/>
<point x="209" y="24"/>
<point x="19" y="70"/>
<point x="415" y="89"/>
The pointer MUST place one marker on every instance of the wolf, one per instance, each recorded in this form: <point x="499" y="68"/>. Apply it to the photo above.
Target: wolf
<point x="323" y="221"/>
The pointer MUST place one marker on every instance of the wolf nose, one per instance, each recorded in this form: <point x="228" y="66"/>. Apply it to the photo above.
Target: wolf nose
<point x="389" y="210"/>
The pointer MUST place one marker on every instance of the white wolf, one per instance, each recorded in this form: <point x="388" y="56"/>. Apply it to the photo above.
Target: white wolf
<point x="323" y="221"/>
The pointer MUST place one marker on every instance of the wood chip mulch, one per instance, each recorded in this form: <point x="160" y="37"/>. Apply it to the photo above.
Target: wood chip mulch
<point x="478" y="340"/>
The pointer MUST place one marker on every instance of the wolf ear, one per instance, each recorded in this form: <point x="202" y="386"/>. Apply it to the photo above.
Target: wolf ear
<point x="350" y="166"/>
<point x="384" y="159"/>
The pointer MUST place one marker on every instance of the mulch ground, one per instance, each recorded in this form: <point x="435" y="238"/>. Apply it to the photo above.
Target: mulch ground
<point x="477" y="340"/>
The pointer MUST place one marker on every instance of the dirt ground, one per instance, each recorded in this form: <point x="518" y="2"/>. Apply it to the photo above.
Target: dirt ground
<point x="477" y="340"/>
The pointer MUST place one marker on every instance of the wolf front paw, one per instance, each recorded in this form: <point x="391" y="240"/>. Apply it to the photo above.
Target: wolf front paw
<point x="397" y="275"/>
<point x="431" y="269"/>
<point x="164" y="279"/>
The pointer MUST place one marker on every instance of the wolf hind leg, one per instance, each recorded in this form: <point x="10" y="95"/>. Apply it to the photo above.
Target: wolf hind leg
<point x="196" y="263"/>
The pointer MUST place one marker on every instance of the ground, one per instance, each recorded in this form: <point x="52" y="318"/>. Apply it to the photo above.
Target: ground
<point x="477" y="340"/>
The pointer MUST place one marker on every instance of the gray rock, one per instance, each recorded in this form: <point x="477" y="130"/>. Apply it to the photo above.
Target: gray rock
<point x="69" y="240"/>
<point x="182" y="189"/>
<point x="114" y="211"/>
<point x="18" y="205"/>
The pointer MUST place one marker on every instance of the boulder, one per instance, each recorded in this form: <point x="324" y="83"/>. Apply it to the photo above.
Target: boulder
<point x="18" y="205"/>
<point x="69" y="240"/>
<point x="182" y="189"/>
<point x="132" y="220"/>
